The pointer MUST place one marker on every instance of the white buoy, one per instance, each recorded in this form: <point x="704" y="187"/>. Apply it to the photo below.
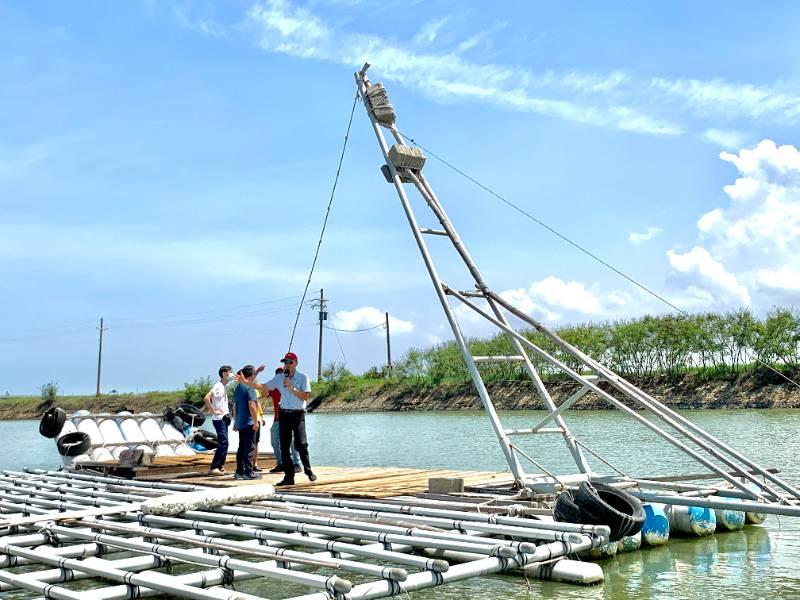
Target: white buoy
<point x="184" y="450"/>
<point x="110" y="431"/>
<point x="164" y="450"/>
<point x="89" y="427"/>
<point x="101" y="455"/>
<point x="151" y="430"/>
<point x="147" y="450"/>
<point x="171" y="434"/>
<point x="567" y="571"/>
<point x="131" y="431"/>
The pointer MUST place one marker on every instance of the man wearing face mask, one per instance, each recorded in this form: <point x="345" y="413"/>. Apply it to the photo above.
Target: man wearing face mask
<point x="295" y="391"/>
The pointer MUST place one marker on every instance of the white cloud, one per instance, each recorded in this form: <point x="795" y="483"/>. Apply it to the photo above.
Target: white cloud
<point x="428" y="32"/>
<point x="784" y="279"/>
<point x="708" y="221"/>
<point x="445" y="76"/>
<point x="569" y="295"/>
<point x="645" y="236"/>
<point x="725" y="138"/>
<point x="697" y="265"/>
<point x="717" y="97"/>
<point x="369" y="316"/>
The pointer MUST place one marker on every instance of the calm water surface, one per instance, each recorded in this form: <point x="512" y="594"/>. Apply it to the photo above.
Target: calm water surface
<point x="758" y="562"/>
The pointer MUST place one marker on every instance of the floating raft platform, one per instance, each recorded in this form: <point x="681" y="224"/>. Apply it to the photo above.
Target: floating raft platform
<point x="61" y="531"/>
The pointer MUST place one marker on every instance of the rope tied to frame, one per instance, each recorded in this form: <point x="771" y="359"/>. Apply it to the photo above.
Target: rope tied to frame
<point x="51" y="536"/>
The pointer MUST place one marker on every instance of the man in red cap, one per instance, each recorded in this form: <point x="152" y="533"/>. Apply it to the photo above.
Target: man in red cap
<point x="295" y="390"/>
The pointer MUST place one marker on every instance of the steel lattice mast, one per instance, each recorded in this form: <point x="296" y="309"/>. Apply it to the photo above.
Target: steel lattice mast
<point x="404" y="166"/>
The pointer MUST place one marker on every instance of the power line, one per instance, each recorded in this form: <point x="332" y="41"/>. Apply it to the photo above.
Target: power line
<point x="325" y="221"/>
<point x="572" y="243"/>
<point x="356" y="330"/>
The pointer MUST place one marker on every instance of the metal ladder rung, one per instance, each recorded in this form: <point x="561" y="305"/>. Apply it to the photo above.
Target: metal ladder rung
<point x="531" y="431"/>
<point x="429" y="231"/>
<point x="486" y="359"/>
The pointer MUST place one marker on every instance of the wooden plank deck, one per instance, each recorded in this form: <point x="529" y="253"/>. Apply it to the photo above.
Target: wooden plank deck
<point x="362" y="482"/>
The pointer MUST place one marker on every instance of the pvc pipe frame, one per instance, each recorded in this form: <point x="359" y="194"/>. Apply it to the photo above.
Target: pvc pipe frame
<point x="511" y="458"/>
<point x="653" y="427"/>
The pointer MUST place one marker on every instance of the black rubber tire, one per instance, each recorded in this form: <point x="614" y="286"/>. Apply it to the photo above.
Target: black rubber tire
<point x="190" y="414"/>
<point x="606" y="505"/>
<point x="74" y="444"/>
<point x="52" y="422"/>
<point x="565" y="510"/>
<point x="206" y="438"/>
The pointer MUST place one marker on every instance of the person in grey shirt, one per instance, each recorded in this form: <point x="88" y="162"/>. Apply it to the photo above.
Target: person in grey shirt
<point x="295" y="390"/>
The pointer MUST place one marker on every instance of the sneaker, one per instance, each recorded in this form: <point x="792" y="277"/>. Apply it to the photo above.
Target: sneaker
<point x="238" y="475"/>
<point x="257" y="468"/>
<point x="310" y="475"/>
<point x="216" y="472"/>
<point x="252" y="476"/>
<point x="284" y="482"/>
<point x="298" y="468"/>
<point x="276" y="469"/>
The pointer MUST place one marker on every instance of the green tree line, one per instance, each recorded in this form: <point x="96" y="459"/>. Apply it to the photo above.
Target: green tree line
<point x="715" y="344"/>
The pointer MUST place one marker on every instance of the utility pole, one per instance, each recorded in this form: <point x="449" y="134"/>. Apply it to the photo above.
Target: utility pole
<point x="320" y="304"/>
<point x="100" y="356"/>
<point x="388" y="347"/>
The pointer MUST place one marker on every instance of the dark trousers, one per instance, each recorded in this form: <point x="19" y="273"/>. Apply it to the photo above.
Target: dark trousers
<point x="292" y="424"/>
<point x="244" y="454"/>
<point x="222" y="444"/>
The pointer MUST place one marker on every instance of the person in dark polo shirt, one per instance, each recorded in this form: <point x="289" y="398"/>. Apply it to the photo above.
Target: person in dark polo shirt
<point x="295" y="390"/>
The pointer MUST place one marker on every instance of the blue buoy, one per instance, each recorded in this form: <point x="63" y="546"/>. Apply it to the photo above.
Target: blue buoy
<point x="691" y="520"/>
<point x="655" y="531"/>
<point x="729" y="520"/>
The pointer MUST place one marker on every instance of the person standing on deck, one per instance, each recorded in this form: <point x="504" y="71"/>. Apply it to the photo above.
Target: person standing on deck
<point x="245" y="421"/>
<point x="295" y="390"/>
<point x="260" y="416"/>
<point x="275" y="433"/>
<point x="216" y="402"/>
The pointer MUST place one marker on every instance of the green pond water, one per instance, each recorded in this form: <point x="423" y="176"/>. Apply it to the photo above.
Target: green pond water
<point x="758" y="562"/>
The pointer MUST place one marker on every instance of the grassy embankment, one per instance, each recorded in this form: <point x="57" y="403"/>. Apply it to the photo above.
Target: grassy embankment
<point x="710" y="359"/>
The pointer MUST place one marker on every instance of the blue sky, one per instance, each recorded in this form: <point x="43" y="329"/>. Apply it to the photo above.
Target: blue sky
<point x="166" y="165"/>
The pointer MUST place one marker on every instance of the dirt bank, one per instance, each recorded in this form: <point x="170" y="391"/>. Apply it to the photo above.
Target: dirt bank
<point x="686" y="392"/>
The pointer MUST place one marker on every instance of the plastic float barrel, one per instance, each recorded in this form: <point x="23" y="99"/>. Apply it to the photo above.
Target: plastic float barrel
<point x="729" y="520"/>
<point x="184" y="450"/>
<point x="754" y="518"/>
<point x="147" y="450"/>
<point x="655" y="531"/>
<point x="89" y="426"/>
<point x="691" y="520"/>
<point x="151" y="430"/>
<point x="629" y="543"/>
<point x="171" y="433"/>
<point x="110" y="431"/>
<point x="130" y="428"/>
<point x="101" y="455"/>
<point x="565" y="570"/>
<point x="607" y="550"/>
<point x="164" y="450"/>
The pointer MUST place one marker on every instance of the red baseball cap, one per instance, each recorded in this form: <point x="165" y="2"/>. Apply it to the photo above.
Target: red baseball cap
<point x="290" y="356"/>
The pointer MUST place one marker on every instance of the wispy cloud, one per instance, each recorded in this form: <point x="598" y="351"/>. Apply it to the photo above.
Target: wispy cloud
<point x="644" y="236"/>
<point x="725" y="138"/>
<point x="430" y="30"/>
<point x="613" y="100"/>
<point x="446" y="76"/>
<point x="718" y="97"/>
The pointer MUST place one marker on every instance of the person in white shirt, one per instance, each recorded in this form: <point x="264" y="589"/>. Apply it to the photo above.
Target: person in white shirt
<point x="216" y="402"/>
